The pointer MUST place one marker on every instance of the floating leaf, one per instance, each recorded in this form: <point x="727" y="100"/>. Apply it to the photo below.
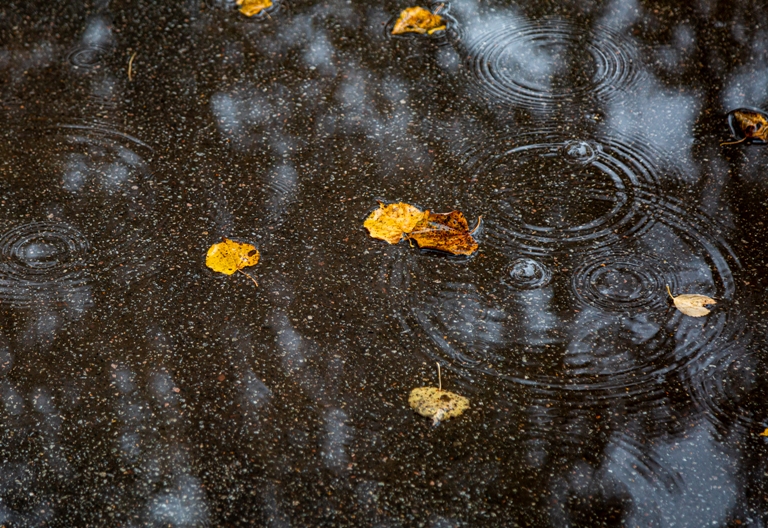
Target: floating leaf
<point x="229" y="256"/>
<point x="764" y="433"/>
<point x="692" y="304"/>
<point x="253" y="7"/>
<point x="445" y="232"/>
<point x="418" y="20"/>
<point x="390" y="222"/>
<point x="437" y="404"/>
<point x="748" y="125"/>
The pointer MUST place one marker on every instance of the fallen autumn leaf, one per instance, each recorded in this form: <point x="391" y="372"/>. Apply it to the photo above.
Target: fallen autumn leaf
<point x="228" y="257"/>
<point x="253" y="7"/>
<point x="390" y="222"/>
<point x="692" y="304"/>
<point x="445" y="232"/>
<point x="418" y="20"/>
<point x="435" y="403"/>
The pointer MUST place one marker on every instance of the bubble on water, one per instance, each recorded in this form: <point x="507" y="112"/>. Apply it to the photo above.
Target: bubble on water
<point x="98" y="181"/>
<point x="527" y="274"/>
<point x="548" y="63"/>
<point x="545" y="192"/>
<point x="582" y="152"/>
<point x="87" y="56"/>
<point x="42" y="263"/>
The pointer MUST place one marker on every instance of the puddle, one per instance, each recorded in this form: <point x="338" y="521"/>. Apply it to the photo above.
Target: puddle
<point x="138" y="387"/>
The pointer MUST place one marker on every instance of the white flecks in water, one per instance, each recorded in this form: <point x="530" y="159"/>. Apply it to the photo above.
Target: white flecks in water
<point x="337" y="436"/>
<point x="183" y="505"/>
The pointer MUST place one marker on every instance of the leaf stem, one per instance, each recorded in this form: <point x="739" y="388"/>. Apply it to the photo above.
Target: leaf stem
<point x="130" y="66"/>
<point x="670" y="293"/>
<point x="479" y="219"/>
<point x="439" y="377"/>
<point x="254" y="280"/>
<point x="734" y="142"/>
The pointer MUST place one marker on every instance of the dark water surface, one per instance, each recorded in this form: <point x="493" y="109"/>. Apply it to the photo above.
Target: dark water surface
<point x="139" y="388"/>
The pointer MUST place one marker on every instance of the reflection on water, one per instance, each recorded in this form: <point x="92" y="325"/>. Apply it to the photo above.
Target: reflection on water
<point x="138" y="388"/>
<point x="551" y="62"/>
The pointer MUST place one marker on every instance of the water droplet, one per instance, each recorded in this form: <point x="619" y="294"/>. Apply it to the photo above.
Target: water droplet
<point x="527" y="274"/>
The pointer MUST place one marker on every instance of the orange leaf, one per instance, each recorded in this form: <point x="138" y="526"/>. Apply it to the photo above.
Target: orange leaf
<point x="444" y="232"/>
<point x="418" y="20"/>
<point x="253" y="7"/>
<point x="747" y="125"/>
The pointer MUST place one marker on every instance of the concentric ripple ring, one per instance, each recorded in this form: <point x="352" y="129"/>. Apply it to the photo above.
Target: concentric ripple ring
<point x="551" y="62"/>
<point x="41" y="261"/>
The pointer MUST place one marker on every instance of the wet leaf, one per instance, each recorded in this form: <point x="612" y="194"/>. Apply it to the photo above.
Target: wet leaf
<point x="692" y="304"/>
<point x="390" y="222"/>
<point x="253" y="7"/>
<point x="437" y="404"/>
<point x="748" y="125"/>
<point x="764" y="433"/>
<point x="229" y="256"/>
<point x="418" y="20"/>
<point x="444" y="232"/>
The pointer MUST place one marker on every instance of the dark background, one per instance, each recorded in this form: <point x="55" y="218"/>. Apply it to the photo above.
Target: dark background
<point x="139" y="388"/>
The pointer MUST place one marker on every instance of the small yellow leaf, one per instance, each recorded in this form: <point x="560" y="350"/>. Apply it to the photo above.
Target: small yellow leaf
<point x="229" y="256"/>
<point x="253" y="7"/>
<point x="418" y="20"/>
<point x="764" y="433"/>
<point x="390" y="222"/>
<point x="437" y="404"/>
<point x="692" y="304"/>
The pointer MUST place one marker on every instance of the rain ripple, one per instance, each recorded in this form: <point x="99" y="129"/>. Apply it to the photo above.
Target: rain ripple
<point x="543" y="64"/>
<point x="544" y="192"/>
<point x="42" y="262"/>
<point x="527" y="274"/>
<point x="87" y="56"/>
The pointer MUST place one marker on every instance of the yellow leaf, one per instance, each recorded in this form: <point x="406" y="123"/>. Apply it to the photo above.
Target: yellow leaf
<point x="764" y="433"/>
<point x="390" y="222"/>
<point x="253" y="7"/>
<point x="444" y="232"/>
<point x="229" y="256"/>
<point x="747" y="125"/>
<point x="418" y="20"/>
<point x="692" y="304"/>
<point x="437" y="404"/>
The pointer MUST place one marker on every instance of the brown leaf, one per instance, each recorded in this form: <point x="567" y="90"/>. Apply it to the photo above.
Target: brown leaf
<point x="437" y="404"/>
<point x="747" y="125"/>
<point x="418" y="20"/>
<point x="444" y="232"/>
<point x="764" y="433"/>
<point x="692" y="304"/>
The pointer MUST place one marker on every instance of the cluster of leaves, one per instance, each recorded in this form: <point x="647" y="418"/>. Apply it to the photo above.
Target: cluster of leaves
<point x="418" y="20"/>
<point x="448" y="232"/>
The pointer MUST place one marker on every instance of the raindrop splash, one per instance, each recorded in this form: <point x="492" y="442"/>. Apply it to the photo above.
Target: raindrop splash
<point x="527" y="274"/>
